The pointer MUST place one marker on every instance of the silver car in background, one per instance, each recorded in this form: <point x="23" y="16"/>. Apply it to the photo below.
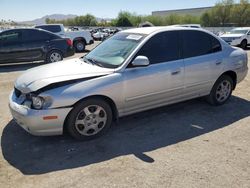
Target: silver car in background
<point x="133" y="71"/>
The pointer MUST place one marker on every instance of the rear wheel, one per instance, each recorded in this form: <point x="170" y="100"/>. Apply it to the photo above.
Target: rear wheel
<point x="54" y="56"/>
<point x="221" y="91"/>
<point x="89" y="119"/>
<point x="79" y="46"/>
<point x="243" y="44"/>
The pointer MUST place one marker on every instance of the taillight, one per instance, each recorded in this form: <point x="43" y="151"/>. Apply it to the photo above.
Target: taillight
<point x="69" y="42"/>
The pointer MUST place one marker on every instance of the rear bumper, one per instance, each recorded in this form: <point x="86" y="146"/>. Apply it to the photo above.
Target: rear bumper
<point x="70" y="52"/>
<point x="33" y="120"/>
<point x="241" y="74"/>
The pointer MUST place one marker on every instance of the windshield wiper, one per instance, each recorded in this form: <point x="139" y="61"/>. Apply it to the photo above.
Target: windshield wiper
<point x="85" y="60"/>
<point x="94" y="62"/>
<point x="91" y="61"/>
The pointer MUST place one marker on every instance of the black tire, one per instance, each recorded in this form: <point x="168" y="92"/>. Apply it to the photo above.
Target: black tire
<point x="214" y="96"/>
<point x="49" y="55"/>
<point x="79" y="46"/>
<point x="77" y="131"/>
<point x="243" y="44"/>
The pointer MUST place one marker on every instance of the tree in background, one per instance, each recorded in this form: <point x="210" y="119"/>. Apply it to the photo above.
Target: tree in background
<point x="222" y="11"/>
<point x="124" y="20"/>
<point x="86" y="20"/>
<point x="172" y="19"/>
<point x="205" y="19"/>
<point x="226" y="13"/>
<point x="241" y="13"/>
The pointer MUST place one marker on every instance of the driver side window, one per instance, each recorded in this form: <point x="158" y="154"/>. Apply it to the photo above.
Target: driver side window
<point x="9" y="37"/>
<point x="162" y="47"/>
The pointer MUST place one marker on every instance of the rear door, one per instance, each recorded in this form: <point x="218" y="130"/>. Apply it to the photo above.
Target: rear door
<point x="36" y="43"/>
<point x="203" y="62"/>
<point x="11" y="46"/>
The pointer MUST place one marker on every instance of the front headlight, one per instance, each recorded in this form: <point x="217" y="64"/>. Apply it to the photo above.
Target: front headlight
<point x="37" y="102"/>
<point x="33" y="101"/>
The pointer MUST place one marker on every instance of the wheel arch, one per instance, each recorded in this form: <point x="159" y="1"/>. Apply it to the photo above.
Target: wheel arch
<point x="232" y="75"/>
<point x="102" y="97"/>
<point x="79" y="39"/>
<point x="244" y="40"/>
<point x="51" y="50"/>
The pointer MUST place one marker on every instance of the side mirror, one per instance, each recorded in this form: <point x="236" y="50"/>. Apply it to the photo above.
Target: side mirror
<point x="140" y="61"/>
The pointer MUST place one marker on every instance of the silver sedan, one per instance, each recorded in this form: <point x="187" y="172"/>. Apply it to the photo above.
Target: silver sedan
<point x="133" y="71"/>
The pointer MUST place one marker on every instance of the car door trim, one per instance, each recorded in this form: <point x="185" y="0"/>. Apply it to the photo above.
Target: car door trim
<point x="152" y="94"/>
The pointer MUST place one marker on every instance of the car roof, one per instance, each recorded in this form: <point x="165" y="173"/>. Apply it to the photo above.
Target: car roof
<point x="20" y="29"/>
<point x="150" y="30"/>
<point x="49" y="25"/>
<point x="35" y="29"/>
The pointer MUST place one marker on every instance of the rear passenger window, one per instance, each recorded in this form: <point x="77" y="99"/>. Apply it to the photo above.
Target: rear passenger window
<point x="162" y="47"/>
<point x="43" y="35"/>
<point x="36" y="35"/>
<point x="216" y="46"/>
<point x="51" y="28"/>
<point x="195" y="43"/>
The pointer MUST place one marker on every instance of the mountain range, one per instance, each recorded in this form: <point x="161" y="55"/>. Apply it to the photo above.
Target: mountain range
<point x="40" y="21"/>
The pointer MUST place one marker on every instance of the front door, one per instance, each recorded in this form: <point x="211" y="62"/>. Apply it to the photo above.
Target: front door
<point x="160" y="82"/>
<point x="11" y="47"/>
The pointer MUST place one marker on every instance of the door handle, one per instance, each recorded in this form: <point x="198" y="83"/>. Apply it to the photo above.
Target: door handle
<point x="176" y="72"/>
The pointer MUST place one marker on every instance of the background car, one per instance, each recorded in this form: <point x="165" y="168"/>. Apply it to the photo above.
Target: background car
<point x="80" y="38"/>
<point x="238" y="37"/>
<point x="23" y="45"/>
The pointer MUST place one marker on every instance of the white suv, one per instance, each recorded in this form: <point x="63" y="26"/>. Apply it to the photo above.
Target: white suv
<point x="238" y="37"/>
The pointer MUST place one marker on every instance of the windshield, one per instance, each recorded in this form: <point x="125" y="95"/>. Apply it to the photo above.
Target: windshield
<point x="238" y="31"/>
<point x="114" y="51"/>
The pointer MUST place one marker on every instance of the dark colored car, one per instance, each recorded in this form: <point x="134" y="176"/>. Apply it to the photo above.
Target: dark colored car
<point x="23" y="45"/>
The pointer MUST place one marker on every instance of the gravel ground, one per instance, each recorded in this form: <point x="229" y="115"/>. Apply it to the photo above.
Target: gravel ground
<point x="190" y="144"/>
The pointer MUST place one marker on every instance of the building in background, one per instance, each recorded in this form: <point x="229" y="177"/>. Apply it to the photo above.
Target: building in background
<point x="191" y="11"/>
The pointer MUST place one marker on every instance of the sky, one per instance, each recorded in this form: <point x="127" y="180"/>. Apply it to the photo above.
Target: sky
<point x="25" y="10"/>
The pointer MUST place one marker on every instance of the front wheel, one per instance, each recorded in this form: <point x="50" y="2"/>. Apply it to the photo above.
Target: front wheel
<point x="221" y="91"/>
<point x="89" y="119"/>
<point x="243" y="44"/>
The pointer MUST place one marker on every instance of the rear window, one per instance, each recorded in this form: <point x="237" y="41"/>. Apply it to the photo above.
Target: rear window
<point x="51" y="28"/>
<point x="37" y="35"/>
<point x="197" y="43"/>
<point x="216" y="46"/>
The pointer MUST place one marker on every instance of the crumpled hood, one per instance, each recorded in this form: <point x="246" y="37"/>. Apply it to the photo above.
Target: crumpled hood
<point x="231" y="35"/>
<point x="41" y="76"/>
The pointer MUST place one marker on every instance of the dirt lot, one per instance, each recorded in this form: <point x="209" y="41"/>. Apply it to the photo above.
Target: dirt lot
<point x="189" y="144"/>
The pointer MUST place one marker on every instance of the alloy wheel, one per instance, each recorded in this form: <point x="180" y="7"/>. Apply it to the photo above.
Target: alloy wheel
<point x="223" y="91"/>
<point x="55" y="56"/>
<point x="91" y="120"/>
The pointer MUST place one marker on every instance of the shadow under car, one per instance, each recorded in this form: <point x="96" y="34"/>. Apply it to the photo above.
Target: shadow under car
<point x="135" y="134"/>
